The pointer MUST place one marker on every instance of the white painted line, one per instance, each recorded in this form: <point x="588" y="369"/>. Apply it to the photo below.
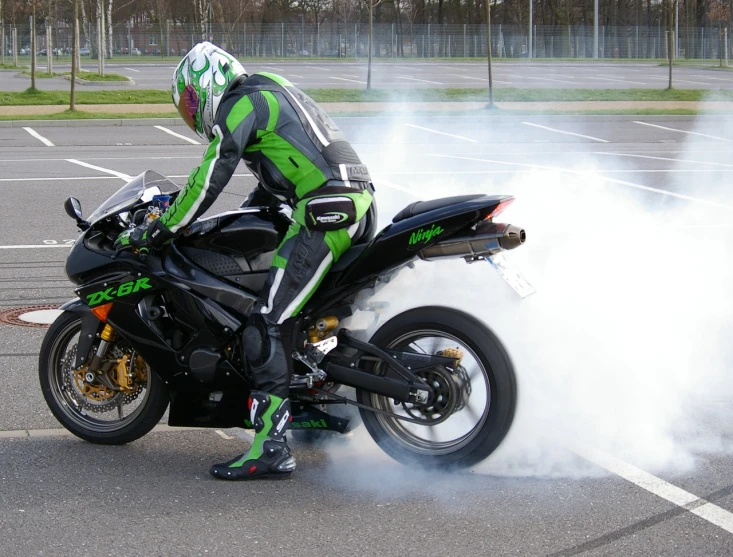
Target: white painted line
<point x="317" y="68"/>
<point x="666" y="159"/>
<point x="57" y="179"/>
<point x="273" y="68"/>
<point x="667" y="491"/>
<point x="223" y="435"/>
<point x="681" y="131"/>
<point x="591" y="175"/>
<point x="547" y="79"/>
<point x="298" y="76"/>
<point x="344" y="79"/>
<point x="37" y="246"/>
<point x="484" y="79"/>
<point x="178" y="135"/>
<point x="411" y="68"/>
<point x="416" y="79"/>
<point x="105" y="170"/>
<point x="39" y="137"/>
<point x="133" y="70"/>
<point x="617" y="80"/>
<point x="442" y="133"/>
<point x="77" y="178"/>
<point x="564" y="132"/>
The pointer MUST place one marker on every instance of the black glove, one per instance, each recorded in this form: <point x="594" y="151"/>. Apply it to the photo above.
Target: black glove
<point x="155" y="235"/>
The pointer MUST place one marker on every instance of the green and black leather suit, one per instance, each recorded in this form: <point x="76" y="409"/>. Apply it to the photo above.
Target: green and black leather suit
<point x="301" y="158"/>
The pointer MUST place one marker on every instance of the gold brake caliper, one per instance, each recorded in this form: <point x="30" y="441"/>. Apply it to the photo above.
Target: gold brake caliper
<point x="97" y="392"/>
<point x="455" y="353"/>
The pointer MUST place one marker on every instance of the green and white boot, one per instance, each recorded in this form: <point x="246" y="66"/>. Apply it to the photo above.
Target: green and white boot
<point x="269" y="455"/>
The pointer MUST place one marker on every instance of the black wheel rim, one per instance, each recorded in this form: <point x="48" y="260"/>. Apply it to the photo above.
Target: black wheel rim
<point x="460" y="428"/>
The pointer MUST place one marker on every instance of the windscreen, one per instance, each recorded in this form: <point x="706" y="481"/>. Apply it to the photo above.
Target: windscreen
<point x="146" y="185"/>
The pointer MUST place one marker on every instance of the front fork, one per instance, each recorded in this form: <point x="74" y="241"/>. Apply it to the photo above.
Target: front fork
<point x="107" y="336"/>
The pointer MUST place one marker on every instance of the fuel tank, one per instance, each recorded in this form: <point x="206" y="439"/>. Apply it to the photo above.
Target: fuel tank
<point x="237" y="246"/>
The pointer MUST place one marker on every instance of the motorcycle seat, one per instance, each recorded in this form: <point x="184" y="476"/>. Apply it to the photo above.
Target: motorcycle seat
<point x="348" y="257"/>
<point x="420" y="207"/>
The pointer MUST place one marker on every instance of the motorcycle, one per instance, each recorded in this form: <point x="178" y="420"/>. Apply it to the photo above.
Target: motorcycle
<point x="434" y="386"/>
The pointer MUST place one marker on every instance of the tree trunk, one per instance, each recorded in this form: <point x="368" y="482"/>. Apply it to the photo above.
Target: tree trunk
<point x="488" y="51"/>
<point x="49" y="45"/>
<point x="84" y="26"/>
<point x="108" y="21"/>
<point x="371" y="40"/>
<point x="74" y="52"/>
<point x="100" y="37"/>
<point x="2" y="35"/>
<point x="33" y="47"/>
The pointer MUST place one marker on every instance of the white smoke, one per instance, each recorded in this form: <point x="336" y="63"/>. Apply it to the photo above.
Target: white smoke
<point x="624" y="345"/>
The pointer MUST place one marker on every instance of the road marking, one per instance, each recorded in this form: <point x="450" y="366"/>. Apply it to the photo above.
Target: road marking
<point x="178" y="135"/>
<point x="410" y="68"/>
<point x="60" y="432"/>
<point x="666" y="159"/>
<point x="681" y="131"/>
<point x="317" y="68"/>
<point x="76" y="178"/>
<point x="416" y="79"/>
<point x="546" y="79"/>
<point x="564" y="132"/>
<point x="273" y="68"/>
<point x="617" y="80"/>
<point x="298" y="76"/>
<point x="223" y="435"/>
<point x="39" y="137"/>
<point x="442" y="133"/>
<point x="667" y="491"/>
<point x="105" y="170"/>
<point x="344" y="79"/>
<point x="590" y="175"/>
<point x="133" y="70"/>
<point x="35" y="246"/>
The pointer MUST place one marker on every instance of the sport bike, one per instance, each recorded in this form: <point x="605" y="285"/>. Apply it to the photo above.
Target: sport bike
<point x="433" y="386"/>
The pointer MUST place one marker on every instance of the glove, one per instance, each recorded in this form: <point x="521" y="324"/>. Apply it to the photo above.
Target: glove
<point x="135" y="238"/>
<point x="155" y="235"/>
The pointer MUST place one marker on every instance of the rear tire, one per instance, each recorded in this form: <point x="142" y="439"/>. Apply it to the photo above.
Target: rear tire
<point x="57" y="341"/>
<point x="494" y="365"/>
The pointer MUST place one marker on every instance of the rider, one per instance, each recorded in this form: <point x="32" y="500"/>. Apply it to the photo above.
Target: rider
<point x="301" y="158"/>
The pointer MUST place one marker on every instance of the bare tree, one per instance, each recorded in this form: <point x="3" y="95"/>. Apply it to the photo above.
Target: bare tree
<point x="108" y="22"/>
<point x="74" y="52"/>
<point x="33" y="45"/>
<point x="372" y="5"/>
<point x="488" y="51"/>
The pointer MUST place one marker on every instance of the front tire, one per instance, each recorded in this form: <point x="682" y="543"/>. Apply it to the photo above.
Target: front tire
<point x="472" y="430"/>
<point x="77" y="415"/>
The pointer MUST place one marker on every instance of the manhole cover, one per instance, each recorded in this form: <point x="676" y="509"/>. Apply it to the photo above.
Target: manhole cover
<point x="30" y="316"/>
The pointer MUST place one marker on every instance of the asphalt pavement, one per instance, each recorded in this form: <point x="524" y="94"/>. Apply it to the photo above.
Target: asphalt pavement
<point x="404" y="75"/>
<point x="612" y="484"/>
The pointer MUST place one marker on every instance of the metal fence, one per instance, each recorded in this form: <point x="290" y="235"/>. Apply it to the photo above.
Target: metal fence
<point x="283" y="40"/>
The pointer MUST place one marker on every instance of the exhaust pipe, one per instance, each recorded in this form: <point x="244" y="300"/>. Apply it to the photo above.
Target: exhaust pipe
<point x="488" y="239"/>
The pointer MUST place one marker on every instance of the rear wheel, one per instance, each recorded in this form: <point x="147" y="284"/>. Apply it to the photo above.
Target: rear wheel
<point x="474" y="403"/>
<point x="99" y="411"/>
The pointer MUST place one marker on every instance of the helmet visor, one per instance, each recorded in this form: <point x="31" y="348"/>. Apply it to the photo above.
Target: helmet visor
<point x="188" y="106"/>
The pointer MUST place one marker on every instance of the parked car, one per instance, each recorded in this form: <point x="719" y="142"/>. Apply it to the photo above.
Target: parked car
<point x="84" y="51"/>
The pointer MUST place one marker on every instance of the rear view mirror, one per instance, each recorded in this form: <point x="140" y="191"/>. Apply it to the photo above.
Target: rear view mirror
<point x="73" y="208"/>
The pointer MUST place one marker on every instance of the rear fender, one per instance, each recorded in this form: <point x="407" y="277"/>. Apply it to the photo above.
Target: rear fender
<point x="90" y="328"/>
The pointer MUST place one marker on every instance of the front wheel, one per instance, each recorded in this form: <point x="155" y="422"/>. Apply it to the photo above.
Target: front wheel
<point x="119" y="407"/>
<point x="475" y="400"/>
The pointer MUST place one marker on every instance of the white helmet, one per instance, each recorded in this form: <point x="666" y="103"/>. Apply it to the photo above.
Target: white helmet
<point x="199" y="83"/>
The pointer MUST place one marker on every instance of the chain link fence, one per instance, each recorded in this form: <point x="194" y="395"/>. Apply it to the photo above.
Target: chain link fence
<point x="304" y="40"/>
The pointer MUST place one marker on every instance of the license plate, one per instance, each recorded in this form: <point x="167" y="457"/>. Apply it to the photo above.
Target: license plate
<point x="510" y="273"/>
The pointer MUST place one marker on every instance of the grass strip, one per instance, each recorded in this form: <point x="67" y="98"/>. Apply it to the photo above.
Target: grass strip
<point x="112" y="96"/>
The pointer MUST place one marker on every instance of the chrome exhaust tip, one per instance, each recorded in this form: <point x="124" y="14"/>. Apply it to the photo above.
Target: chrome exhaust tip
<point x="513" y="237"/>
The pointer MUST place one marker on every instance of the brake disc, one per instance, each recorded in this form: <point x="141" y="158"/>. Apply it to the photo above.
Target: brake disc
<point x="97" y="397"/>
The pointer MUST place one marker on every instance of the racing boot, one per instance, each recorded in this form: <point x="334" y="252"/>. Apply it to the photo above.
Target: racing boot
<point x="269" y="455"/>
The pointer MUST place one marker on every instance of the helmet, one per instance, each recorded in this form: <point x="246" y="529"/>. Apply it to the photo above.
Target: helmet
<point x="199" y="83"/>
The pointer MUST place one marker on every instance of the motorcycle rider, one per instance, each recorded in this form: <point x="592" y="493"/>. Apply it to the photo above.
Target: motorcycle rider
<point x="300" y="158"/>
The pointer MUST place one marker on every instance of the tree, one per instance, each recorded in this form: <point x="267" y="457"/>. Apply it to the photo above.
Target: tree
<point x="720" y="14"/>
<point x="488" y="52"/>
<point x="74" y="52"/>
<point x="33" y="45"/>
<point x="372" y="5"/>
